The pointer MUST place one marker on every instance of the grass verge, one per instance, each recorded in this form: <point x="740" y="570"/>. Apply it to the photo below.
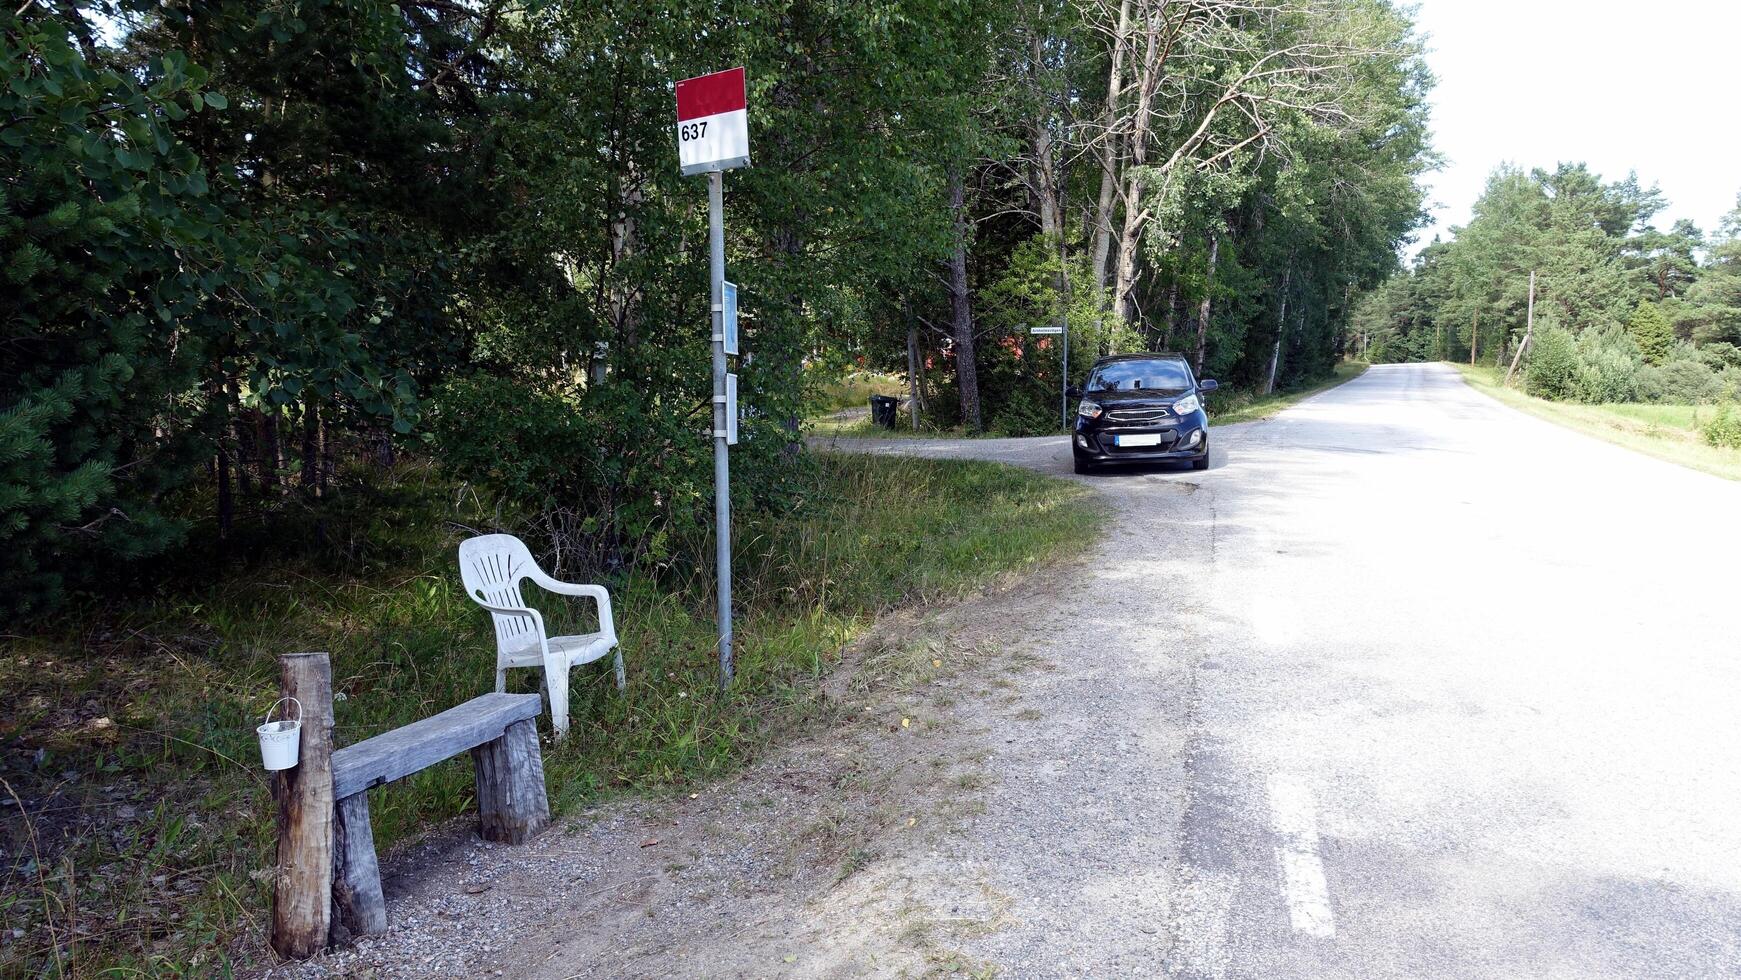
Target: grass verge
<point x="1227" y="408"/>
<point x="854" y="391"/>
<point x="1667" y="432"/>
<point x="137" y="823"/>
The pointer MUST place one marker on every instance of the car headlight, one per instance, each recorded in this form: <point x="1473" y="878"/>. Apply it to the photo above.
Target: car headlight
<point x="1186" y="405"/>
<point x="1088" y="409"/>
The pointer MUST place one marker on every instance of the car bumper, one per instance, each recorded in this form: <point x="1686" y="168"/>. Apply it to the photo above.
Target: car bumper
<point x="1186" y="441"/>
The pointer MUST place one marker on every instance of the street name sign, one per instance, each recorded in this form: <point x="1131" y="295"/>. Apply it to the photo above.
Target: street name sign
<point x="713" y="127"/>
<point x="1046" y="330"/>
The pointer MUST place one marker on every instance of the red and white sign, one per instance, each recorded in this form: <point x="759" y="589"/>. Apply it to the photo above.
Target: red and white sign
<point x="713" y="126"/>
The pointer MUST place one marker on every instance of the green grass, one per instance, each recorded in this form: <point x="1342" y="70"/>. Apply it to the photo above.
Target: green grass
<point x="864" y="428"/>
<point x="1226" y="406"/>
<point x="854" y="391"/>
<point x="1229" y="407"/>
<point x="1667" y="432"/>
<point x="149" y="839"/>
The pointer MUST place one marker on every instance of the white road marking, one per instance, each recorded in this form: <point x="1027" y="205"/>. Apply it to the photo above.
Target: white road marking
<point x="1295" y="821"/>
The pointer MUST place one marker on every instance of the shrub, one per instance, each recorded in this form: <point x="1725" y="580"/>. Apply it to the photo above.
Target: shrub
<point x="1553" y="366"/>
<point x="597" y="495"/>
<point x="1608" y="365"/>
<point x="1724" y="429"/>
<point x="1652" y="332"/>
<point x="602" y="477"/>
<point x="1680" y="382"/>
<point x="1729" y="384"/>
<point x="1718" y="355"/>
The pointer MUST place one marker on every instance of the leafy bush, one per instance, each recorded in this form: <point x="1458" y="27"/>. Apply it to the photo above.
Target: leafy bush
<point x="1717" y="355"/>
<point x="604" y="476"/>
<point x="1729" y="384"/>
<point x="1608" y="365"/>
<point x="1724" y="429"/>
<point x="1553" y="366"/>
<point x="1679" y="382"/>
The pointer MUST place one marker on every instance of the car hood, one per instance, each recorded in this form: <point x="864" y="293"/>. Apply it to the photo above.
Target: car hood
<point x="1145" y="398"/>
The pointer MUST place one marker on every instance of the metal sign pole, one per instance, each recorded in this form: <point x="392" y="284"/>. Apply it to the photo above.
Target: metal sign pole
<point x="713" y="136"/>
<point x="1064" y="385"/>
<point x="721" y="455"/>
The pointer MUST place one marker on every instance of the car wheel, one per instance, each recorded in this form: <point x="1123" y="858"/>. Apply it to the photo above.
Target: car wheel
<point x="1201" y="462"/>
<point x="1081" y="466"/>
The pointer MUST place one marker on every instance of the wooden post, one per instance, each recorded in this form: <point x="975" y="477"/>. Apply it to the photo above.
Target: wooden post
<point x="302" y="900"/>
<point x="1528" y="332"/>
<point x="359" y="908"/>
<point x="512" y="807"/>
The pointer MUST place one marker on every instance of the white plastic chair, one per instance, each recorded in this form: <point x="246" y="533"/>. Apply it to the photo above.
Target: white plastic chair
<point x="492" y="566"/>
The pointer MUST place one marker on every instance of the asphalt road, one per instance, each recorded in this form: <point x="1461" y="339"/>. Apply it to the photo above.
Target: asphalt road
<point x="1407" y="684"/>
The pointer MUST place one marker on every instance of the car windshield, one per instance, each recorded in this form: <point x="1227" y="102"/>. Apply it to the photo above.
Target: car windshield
<point x="1157" y="375"/>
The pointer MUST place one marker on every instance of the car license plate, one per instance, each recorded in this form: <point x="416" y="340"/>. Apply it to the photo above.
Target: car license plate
<point x="1141" y="439"/>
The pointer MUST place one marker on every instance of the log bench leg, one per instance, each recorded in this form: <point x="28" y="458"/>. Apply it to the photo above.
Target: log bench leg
<point x="359" y="908"/>
<point x="512" y="807"/>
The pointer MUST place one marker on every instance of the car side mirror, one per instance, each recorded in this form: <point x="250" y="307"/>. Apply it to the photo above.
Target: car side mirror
<point x="1207" y="385"/>
<point x="1073" y="392"/>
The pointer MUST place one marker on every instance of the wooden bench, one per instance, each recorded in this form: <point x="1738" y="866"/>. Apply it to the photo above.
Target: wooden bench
<point x="499" y="730"/>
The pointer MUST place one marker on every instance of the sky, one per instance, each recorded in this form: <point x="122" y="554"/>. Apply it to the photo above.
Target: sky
<point x="1645" y="86"/>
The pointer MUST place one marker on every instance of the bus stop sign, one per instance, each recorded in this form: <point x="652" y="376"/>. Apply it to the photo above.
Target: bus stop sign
<point x="713" y="127"/>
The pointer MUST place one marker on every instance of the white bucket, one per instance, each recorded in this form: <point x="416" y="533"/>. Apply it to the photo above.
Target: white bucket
<point x="281" y="740"/>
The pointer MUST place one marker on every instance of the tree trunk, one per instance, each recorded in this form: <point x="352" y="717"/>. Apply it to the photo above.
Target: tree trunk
<point x="310" y="447"/>
<point x="1208" y="294"/>
<point x="328" y="458"/>
<point x="624" y="304"/>
<point x="1172" y="314"/>
<point x="1043" y="174"/>
<point x="247" y="454"/>
<point x="1275" y="356"/>
<point x="1124" y="282"/>
<point x="385" y="455"/>
<point x="1045" y="181"/>
<point x="271" y="451"/>
<point x="1109" y="151"/>
<point x="912" y="370"/>
<point x="226" y="500"/>
<point x="960" y="312"/>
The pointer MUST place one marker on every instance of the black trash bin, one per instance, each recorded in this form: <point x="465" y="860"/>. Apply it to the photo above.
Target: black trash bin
<point x="883" y="409"/>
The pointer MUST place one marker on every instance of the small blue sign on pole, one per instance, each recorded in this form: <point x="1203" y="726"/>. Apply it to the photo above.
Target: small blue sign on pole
<point x="729" y="317"/>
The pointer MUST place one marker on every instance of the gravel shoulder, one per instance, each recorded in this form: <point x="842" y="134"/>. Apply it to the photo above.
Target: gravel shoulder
<point x="934" y="827"/>
<point x="998" y="790"/>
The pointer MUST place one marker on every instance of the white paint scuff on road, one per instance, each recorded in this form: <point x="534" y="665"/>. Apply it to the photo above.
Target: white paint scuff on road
<point x="1303" y="884"/>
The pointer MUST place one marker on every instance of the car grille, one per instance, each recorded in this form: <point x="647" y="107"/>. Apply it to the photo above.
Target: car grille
<point x="1137" y="416"/>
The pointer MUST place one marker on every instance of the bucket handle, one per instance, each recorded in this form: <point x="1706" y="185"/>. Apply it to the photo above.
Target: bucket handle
<point x="280" y="701"/>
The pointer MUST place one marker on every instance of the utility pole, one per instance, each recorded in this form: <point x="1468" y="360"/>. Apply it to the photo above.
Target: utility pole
<point x="1528" y="331"/>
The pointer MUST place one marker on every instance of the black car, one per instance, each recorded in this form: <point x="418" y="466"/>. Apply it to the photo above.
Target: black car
<point x="1141" y="408"/>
